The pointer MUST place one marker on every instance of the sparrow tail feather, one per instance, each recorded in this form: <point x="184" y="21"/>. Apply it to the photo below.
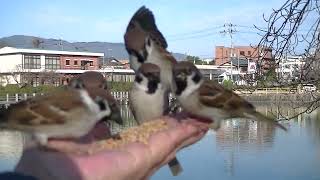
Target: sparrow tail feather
<point x="258" y="116"/>
<point x="175" y="167"/>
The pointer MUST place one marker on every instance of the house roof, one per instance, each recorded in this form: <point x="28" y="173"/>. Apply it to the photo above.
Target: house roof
<point x="242" y="62"/>
<point x="11" y="50"/>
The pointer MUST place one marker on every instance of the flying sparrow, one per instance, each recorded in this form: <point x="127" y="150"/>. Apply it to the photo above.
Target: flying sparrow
<point x="148" y="101"/>
<point x="146" y="44"/>
<point x="209" y="100"/>
<point x="95" y="80"/>
<point x="66" y="113"/>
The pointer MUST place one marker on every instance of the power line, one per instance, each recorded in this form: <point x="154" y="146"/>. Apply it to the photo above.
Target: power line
<point x="230" y="30"/>
<point x="194" y="36"/>
<point x="195" y="32"/>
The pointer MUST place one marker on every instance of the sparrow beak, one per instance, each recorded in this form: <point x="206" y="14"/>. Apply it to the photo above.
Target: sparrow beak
<point x="115" y="115"/>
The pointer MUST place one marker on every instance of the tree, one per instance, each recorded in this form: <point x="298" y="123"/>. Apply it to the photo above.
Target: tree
<point x="36" y="42"/>
<point x="286" y="33"/>
<point x="294" y="29"/>
<point x="194" y="59"/>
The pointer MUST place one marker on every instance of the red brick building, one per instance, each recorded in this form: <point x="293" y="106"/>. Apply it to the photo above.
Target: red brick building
<point x="223" y="54"/>
<point x="79" y="62"/>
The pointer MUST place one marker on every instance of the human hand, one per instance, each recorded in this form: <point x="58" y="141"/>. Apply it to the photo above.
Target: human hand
<point x="133" y="161"/>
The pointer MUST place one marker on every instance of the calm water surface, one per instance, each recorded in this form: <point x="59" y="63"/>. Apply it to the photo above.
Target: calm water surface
<point x="239" y="150"/>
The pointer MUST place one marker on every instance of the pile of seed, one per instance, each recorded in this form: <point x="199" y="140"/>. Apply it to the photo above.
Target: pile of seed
<point x="139" y="133"/>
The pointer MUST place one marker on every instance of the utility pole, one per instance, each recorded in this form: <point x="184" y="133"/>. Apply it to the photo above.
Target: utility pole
<point x="230" y="30"/>
<point x="61" y="44"/>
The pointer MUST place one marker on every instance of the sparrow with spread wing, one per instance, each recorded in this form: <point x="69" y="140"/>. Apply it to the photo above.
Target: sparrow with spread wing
<point x="146" y="44"/>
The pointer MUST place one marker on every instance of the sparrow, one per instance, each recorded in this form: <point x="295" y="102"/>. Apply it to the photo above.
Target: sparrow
<point x="146" y="44"/>
<point x="65" y="113"/>
<point x="148" y="102"/>
<point x="208" y="100"/>
<point x="95" y="80"/>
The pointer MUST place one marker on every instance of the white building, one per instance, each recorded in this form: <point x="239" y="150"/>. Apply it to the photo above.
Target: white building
<point x="17" y="65"/>
<point x="290" y="68"/>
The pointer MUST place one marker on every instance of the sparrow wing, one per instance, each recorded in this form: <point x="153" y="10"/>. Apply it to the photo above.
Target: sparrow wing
<point x="143" y="20"/>
<point x="43" y="110"/>
<point x="215" y="95"/>
<point x="167" y="56"/>
<point x="134" y="113"/>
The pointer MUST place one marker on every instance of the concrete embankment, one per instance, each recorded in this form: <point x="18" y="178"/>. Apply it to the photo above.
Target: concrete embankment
<point x="281" y="98"/>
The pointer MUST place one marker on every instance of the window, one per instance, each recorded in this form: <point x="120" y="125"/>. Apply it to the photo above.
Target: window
<point x="67" y="62"/>
<point x="249" y="53"/>
<point x="75" y="63"/>
<point x="52" y="62"/>
<point x="31" y="62"/>
<point x="242" y="53"/>
<point x="91" y="63"/>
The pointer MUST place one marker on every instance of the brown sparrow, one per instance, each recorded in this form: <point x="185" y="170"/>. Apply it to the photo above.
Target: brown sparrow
<point x="95" y="80"/>
<point x="209" y="100"/>
<point x="66" y="113"/>
<point x="146" y="44"/>
<point x="148" y="101"/>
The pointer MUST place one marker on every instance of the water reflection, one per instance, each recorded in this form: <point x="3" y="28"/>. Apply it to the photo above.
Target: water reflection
<point x="11" y="146"/>
<point x="241" y="149"/>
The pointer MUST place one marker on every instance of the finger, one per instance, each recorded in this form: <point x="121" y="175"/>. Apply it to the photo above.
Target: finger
<point x="172" y="138"/>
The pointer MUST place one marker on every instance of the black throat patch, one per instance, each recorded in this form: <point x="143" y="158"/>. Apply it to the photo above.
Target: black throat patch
<point x="196" y="78"/>
<point x="181" y="86"/>
<point x="152" y="86"/>
<point x="101" y="104"/>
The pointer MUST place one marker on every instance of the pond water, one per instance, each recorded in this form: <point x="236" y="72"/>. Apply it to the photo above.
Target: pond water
<point x="239" y="150"/>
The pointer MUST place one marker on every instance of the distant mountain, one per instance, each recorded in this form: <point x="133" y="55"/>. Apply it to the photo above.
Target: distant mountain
<point x="116" y="50"/>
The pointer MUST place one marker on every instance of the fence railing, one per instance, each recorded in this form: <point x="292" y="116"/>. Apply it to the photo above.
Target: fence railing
<point x="123" y="97"/>
<point x="6" y="100"/>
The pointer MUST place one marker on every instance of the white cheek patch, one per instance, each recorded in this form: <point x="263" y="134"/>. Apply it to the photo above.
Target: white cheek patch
<point x="143" y="85"/>
<point x="105" y="112"/>
<point x="88" y="101"/>
<point x="149" y="48"/>
<point x="191" y="86"/>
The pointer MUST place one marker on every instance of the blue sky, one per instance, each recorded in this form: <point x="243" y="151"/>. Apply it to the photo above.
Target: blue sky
<point x="190" y="27"/>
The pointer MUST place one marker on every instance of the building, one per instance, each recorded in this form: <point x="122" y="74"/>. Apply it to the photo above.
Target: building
<point x="241" y="71"/>
<point x="224" y="54"/>
<point x="290" y="68"/>
<point x="48" y="67"/>
<point x="35" y="66"/>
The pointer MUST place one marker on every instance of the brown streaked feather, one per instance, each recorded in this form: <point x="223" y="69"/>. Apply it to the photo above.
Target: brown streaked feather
<point x="142" y="24"/>
<point x="92" y="79"/>
<point x="134" y="38"/>
<point x="167" y="55"/>
<point x="149" y="68"/>
<point x="38" y="111"/>
<point x="215" y="95"/>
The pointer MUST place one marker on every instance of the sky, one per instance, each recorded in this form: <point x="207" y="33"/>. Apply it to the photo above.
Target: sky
<point x="190" y="26"/>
